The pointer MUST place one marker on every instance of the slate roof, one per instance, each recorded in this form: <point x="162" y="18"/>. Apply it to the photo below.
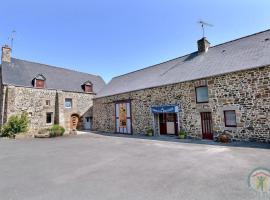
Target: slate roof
<point x="241" y="54"/>
<point x="21" y="73"/>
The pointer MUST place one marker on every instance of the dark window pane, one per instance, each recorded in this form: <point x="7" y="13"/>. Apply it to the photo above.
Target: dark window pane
<point x="162" y="118"/>
<point x="48" y="102"/>
<point x="49" y="118"/>
<point x="170" y="117"/>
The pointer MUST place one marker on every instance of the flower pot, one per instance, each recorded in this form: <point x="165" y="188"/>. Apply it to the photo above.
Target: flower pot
<point x="182" y="136"/>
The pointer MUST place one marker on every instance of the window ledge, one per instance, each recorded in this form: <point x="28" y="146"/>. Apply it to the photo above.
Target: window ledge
<point x="206" y="102"/>
<point x="230" y="128"/>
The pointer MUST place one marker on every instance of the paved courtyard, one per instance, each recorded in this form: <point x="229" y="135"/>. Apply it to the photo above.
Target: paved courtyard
<point x="95" y="167"/>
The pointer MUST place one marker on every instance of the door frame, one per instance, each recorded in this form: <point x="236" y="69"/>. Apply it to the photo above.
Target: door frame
<point x="130" y="118"/>
<point x="71" y="121"/>
<point x="85" y="121"/>
<point x="176" y="123"/>
<point x="164" y="118"/>
<point x="205" y="127"/>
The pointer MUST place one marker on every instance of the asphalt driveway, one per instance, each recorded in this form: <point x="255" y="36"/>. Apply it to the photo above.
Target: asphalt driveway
<point x="96" y="167"/>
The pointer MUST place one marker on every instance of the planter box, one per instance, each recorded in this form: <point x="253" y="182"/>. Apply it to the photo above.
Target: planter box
<point x="43" y="135"/>
<point x="182" y="136"/>
<point x="23" y="136"/>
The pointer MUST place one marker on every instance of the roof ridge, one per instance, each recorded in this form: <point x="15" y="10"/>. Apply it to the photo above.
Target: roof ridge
<point x="63" y="68"/>
<point x="154" y="65"/>
<point x="230" y="41"/>
<point x="243" y="37"/>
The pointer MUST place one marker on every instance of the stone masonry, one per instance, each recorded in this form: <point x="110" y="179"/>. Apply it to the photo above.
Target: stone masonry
<point x="42" y="90"/>
<point x="246" y="92"/>
<point x="16" y="100"/>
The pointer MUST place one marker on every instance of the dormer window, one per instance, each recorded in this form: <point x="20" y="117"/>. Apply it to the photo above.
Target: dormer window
<point x="39" y="81"/>
<point x="87" y="87"/>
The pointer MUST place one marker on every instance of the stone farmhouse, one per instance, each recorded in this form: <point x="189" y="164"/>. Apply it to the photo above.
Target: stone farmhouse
<point x="50" y="95"/>
<point x="215" y="89"/>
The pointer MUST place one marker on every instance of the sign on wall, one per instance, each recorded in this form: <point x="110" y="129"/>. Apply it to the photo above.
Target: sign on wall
<point x="165" y="109"/>
<point x="123" y="117"/>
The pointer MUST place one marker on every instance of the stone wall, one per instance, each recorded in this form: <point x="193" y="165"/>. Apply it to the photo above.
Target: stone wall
<point x="82" y="105"/>
<point x="246" y="92"/>
<point x="1" y="98"/>
<point x="33" y="101"/>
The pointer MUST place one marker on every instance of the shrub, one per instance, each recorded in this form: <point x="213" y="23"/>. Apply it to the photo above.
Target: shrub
<point x="56" y="130"/>
<point x="150" y="131"/>
<point x="182" y="134"/>
<point x="15" y="124"/>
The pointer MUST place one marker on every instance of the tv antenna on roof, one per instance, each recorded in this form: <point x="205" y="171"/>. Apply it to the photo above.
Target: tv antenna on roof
<point x="203" y="24"/>
<point x="11" y="38"/>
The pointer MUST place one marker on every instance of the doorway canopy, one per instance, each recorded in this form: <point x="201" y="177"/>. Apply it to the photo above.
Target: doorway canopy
<point x="163" y="124"/>
<point x="164" y="109"/>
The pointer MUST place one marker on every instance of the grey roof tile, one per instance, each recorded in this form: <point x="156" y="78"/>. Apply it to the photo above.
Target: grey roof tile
<point x="21" y="73"/>
<point x="241" y="54"/>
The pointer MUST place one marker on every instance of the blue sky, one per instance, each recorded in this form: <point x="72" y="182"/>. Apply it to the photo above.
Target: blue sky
<point x="113" y="37"/>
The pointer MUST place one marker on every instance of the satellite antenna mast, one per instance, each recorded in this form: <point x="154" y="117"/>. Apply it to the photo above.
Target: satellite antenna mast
<point x="203" y="25"/>
<point x="11" y="38"/>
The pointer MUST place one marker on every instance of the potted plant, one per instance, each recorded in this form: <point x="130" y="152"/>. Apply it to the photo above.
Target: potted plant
<point x="224" y="137"/>
<point x="182" y="134"/>
<point x="149" y="131"/>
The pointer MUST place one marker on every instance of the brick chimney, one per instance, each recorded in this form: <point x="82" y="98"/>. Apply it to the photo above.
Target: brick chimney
<point x="6" y="54"/>
<point x="203" y="45"/>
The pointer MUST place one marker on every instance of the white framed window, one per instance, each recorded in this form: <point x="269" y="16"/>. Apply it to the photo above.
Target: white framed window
<point x="49" y="118"/>
<point x="202" y="94"/>
<point x="68" y="103"/>
<point x="230" y="118"/>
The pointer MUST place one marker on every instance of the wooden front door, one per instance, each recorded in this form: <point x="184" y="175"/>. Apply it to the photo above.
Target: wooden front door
<point x="206" y="123"/>
<point x="163" y="124"/>
<point x="168" y="124"/>
<point x="74" y="122"/>
<point x="123" y="117"/>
